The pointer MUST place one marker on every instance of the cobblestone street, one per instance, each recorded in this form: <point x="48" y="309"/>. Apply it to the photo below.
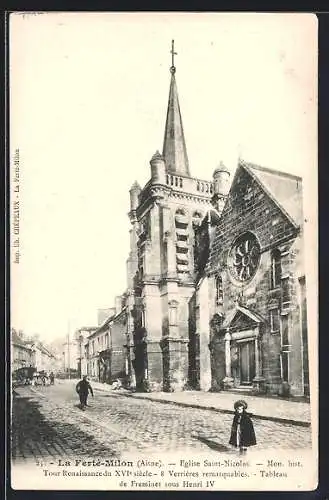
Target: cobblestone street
<point x="47" y="422"/>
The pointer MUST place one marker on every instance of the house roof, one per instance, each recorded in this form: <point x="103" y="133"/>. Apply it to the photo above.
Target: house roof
<point x="283" y="188"/>
<point x="44" y="349"/>
<point x="17" y="340"/>
<point x="102" y="326"/>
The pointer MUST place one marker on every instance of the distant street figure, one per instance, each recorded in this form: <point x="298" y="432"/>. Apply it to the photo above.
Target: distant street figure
<point x="242" y="432"/>
<point x="52" y="378"/>
<point x="116" y="384"/>
<point x="83" y="388"/>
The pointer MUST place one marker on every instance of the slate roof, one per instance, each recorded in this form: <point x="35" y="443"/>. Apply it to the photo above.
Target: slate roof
<point x="284" y="189"/>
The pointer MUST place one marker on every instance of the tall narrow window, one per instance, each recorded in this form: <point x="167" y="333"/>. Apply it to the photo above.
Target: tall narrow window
<point x="275" y="268"/>
<point x="285" y="348"/>
<point x="284" y="331"/>
<point x="285" y="366"/>
<point x="285" y="292"/>
<point x="274" y="320"/>
<point x="219" y="290"/>
<point x="143" y="317"/>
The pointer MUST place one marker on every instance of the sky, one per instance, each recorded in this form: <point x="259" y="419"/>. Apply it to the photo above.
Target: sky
<point x="88" y="99"/>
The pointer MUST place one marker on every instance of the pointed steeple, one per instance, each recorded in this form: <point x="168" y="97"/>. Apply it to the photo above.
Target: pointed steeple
<point x="174" y="147"/>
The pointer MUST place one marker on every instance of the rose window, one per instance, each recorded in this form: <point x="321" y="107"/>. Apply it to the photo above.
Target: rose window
<point x="244" y="257"/>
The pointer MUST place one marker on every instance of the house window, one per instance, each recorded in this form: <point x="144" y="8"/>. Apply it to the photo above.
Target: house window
<point x="219" y="290"/>
<point x="276" y="268"/>
<point x="275" y="320"/>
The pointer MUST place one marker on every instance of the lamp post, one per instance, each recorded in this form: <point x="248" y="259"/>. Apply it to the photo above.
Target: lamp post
<point x="80" y="355"/>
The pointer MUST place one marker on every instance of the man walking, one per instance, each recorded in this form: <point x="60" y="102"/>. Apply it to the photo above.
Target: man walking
<point x="83" y="388"/>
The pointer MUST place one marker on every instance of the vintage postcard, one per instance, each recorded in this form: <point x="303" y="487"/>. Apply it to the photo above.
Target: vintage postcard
<point x="163" y="253"/>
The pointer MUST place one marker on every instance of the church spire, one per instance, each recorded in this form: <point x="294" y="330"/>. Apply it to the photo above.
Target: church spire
<point x="174" y="147"/>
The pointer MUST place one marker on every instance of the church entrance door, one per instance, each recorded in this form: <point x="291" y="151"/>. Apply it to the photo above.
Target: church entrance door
<point x="247" y="362"/>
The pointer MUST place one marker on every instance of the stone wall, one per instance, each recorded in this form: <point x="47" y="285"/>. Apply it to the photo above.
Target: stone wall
<point x="118" y="339"/>
<point x="250" y="209"/>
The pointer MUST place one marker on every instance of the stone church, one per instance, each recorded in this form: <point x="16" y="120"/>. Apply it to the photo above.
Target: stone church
<point x="216" y="295"/>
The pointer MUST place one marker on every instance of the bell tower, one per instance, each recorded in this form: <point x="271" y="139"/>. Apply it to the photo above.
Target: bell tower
<point x="165" y="215"/>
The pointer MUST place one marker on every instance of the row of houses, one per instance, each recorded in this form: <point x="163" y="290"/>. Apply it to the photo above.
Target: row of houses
<point x="30" y="352"/>
<point x="101" y="350"/>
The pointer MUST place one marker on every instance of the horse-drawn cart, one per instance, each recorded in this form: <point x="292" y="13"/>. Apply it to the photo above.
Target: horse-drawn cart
<point x="23" y="376"/>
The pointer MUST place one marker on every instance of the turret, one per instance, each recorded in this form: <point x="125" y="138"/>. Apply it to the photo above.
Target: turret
<point x="221" y="178"/>
<point x="134" y="194"/>
<point x="158" y="169"/>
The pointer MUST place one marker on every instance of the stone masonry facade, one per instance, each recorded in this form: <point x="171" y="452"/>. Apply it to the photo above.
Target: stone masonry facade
<point x="260" y="318"/>
<point x="216" y="289"/>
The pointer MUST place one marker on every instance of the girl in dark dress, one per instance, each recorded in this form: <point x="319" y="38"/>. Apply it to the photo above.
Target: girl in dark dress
<point x="242" y="433"/>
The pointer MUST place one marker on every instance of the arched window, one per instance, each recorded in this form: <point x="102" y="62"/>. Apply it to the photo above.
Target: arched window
<point x="275" y="268"/>
<point x="219" y="290"/>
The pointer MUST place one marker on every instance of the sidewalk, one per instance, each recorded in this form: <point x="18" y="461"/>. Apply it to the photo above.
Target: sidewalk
<point x="276" y="410"/>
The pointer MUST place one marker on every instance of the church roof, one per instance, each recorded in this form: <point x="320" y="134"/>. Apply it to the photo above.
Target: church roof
<point x="284" y="189"/>
<point x="174" y="147"/>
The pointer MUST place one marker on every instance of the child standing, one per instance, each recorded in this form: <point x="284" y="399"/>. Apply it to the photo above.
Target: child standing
<point x="242" y="433"/>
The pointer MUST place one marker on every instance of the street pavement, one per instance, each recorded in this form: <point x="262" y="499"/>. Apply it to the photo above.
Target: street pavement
<point x="47" y="423"/>
<point x="267" y="408"/>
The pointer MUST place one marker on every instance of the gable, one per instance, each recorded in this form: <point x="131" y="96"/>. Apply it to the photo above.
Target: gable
<point x="242" y="318"/>
<point x="249" y="207"/>
<point x="284" y="189"/>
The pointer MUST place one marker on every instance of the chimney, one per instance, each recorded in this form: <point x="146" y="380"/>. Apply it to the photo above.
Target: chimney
<point x="118" y="304"/>
<point x="104" y="314"/>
